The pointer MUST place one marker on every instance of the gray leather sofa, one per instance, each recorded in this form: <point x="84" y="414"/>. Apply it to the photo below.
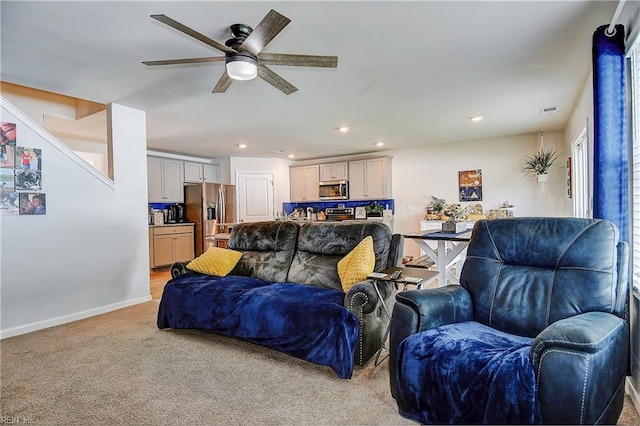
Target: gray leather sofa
<point x="308" y="253"/>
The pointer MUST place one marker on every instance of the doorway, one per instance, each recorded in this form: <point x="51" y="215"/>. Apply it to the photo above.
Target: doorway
<point x="255" y="196"/>
<point x="580" y="178"/>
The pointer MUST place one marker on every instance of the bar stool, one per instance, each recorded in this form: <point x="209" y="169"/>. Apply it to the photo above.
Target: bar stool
<point x="222" y="236"/>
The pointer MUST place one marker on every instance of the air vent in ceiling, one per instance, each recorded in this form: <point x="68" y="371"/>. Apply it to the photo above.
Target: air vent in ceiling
<point x="549" y="110"/>
<point x="279" y="151"/>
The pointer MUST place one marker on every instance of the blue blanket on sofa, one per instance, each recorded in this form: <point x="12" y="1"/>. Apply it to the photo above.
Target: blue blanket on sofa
<point x="466" y="373"/>
<point x="300" y="320"/>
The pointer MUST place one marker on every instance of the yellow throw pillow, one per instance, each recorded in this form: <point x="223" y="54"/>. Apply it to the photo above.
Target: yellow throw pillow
<point x="357" y="264"/>
<point x="215" y="261"/>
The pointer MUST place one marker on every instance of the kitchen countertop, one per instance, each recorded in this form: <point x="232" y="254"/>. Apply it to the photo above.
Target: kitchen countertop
<point x="376" y="219"/>
<point x="172" y="224"/>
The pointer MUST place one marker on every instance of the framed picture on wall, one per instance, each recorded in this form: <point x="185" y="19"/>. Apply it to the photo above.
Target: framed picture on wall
<point x="28" y="180"/>
<point x="33" y="203"/>
<point x="470" y="185"/>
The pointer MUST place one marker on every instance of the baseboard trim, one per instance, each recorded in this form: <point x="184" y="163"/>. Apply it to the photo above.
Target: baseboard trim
<point x="24" y="329"/>
<point x="633" y="393"/>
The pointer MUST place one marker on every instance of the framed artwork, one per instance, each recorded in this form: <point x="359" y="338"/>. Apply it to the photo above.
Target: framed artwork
<point x="28" y="158"/>
<point x="7" y="182"/>
<point x="28" y="180"/>
<point x="470" y="185"/>
<point x="33" y="203"/>
<point x="7" y="133"/>
<point x="9" y="203"/>
<point x="7" y="156"/>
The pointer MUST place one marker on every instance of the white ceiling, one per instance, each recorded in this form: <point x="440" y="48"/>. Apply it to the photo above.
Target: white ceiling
<point x="409" y="73"/>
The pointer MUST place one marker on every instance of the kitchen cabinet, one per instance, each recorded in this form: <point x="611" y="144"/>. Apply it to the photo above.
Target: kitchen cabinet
<point x="304" y="183"/>
<point x="164" y="180"/>
<point x="169" y="244"/>
<point x="334" y="171"/>
<point x="370" y="179"/>
<point x="199" y="172"/>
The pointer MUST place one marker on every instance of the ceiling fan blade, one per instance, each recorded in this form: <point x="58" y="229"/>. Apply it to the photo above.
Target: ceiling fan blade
<point x="223" y="84"/>
<point x="266" y="30"/>
<point x="193" y="33"/>
<point x="298" y="60"/>
<point x="185" y="61"/>
<point x="275" y="80"/>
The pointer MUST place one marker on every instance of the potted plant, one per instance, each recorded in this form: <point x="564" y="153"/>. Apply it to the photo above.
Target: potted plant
<point x="540" y="163"/>
<point x="436" y="207"/>
<point x="374" y="209"/>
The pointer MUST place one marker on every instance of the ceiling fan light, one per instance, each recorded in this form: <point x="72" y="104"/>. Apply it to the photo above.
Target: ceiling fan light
<point x="242" y="68"/>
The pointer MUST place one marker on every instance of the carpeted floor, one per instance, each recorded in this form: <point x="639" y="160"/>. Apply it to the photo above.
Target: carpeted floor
<point x="118" y="368"/>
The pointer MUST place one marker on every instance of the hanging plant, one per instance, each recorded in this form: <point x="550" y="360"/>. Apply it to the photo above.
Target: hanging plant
<point x="540" y="162"/>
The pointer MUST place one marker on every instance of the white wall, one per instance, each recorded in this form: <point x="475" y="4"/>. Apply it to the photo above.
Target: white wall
<point x="433" y="170"/>
<point x="89" y="253"/>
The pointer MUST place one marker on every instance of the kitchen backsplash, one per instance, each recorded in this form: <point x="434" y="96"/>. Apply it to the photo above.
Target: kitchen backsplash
<point x="322" y="205"/>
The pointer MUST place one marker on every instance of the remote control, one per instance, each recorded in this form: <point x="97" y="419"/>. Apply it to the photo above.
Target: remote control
<point x="395" y="275"/>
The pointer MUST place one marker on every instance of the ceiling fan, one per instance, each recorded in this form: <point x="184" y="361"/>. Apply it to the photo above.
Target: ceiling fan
<point x="243" y="55"/>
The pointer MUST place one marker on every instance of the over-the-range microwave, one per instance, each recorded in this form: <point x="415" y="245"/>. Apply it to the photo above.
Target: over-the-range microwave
<point x="334" y="190"/>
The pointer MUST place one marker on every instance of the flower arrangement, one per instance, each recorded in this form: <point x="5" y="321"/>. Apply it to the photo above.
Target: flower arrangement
<point x="456" y="213"/>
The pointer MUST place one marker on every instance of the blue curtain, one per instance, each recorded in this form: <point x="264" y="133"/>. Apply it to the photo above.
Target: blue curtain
<point x="610" y="177"/>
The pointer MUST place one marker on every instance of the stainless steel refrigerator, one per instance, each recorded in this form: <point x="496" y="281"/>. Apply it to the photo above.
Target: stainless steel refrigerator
<point x="210" y="206"/>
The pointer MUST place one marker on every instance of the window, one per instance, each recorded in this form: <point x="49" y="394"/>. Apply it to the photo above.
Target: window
<point x="634" y="57"/>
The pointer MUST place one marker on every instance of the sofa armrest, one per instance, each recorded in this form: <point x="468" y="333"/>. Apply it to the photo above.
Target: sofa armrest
<point x="395" y="251"/>
<point x="179" y="268"/>
<point x="420" y="310"/>
<point x="591" y="352"/>
<point x="362" y="300"/>
<point x="362" y="297"/>
<point x="431" y="308"/>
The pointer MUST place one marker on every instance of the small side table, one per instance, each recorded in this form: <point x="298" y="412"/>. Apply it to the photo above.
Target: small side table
<point x="415" y="276"/>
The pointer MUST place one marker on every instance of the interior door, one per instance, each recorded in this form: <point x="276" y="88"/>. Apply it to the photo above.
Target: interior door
<point x="255" y="196"/>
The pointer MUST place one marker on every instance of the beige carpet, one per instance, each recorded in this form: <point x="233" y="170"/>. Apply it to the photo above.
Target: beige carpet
<point x="118" y="368"/>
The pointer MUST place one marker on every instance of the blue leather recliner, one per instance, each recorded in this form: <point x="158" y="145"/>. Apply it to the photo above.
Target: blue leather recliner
<point x="536" y="332"/>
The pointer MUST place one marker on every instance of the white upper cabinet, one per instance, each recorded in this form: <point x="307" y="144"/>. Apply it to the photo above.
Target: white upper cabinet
<point x="199" y="172"/>
<point x="164" y="180"/>
<point x="303" y="183"/>
<point x="334" y="171"/>
<point x="370" y="179"/>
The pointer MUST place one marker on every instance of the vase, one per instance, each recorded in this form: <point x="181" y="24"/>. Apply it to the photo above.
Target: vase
<point x="543" y="177"/>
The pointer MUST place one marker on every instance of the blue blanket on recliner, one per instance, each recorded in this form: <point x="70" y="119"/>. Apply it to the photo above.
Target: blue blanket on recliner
<point x="300" y="320"/>
<point x="466" y="373"/>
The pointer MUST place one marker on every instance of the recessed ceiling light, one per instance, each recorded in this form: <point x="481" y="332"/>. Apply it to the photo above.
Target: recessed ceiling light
<point x="242" y="145"/>
<point x="379" y="143"/>
<point x="477" y="118"/>
<point x="290" y="155"/>
<point x="344" y="129"/>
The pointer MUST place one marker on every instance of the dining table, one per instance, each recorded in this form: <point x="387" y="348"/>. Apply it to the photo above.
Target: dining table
<point x="450" y="252"/>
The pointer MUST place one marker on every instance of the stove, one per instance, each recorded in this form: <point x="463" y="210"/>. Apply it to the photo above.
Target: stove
<point x="339" y="213"/>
